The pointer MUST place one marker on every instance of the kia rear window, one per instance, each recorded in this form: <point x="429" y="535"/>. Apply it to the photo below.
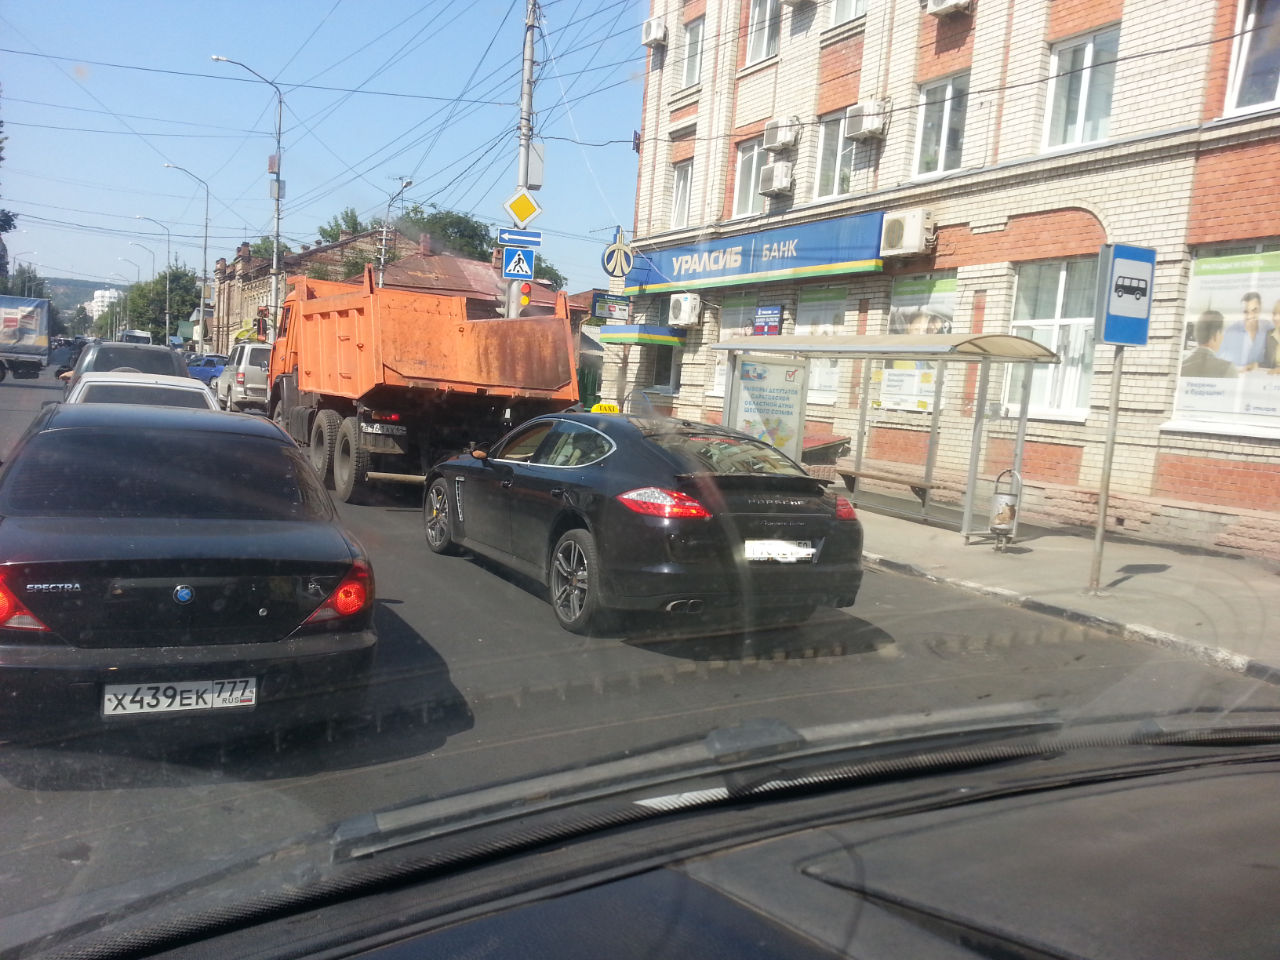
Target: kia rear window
<point x="144" y="361"/>
<point x="726" y="454"/>
<point x="179" y="474"/>
<point x="137" y="393"/>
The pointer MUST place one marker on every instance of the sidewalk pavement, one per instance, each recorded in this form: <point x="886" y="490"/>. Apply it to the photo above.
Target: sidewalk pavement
<point x="1215" y="607"/>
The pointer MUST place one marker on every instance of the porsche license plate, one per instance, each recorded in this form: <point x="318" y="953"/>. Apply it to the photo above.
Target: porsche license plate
<point x="782" y="551"/>
<point x="119" y="699"/>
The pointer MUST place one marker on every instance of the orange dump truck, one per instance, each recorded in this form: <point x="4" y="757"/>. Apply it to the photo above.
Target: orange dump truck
<point x="382" y="384"/>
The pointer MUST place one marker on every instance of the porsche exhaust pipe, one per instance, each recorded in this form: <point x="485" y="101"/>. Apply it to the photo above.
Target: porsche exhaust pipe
<point x="684" y="606"/>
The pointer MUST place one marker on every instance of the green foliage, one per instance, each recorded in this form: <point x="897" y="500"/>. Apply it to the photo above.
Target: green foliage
<point x="263" y="247"/>
<point x="544" y="269"/>
<point x="456" y="233"/>
<point x="353" y="266"/>
<point x="319" y="271"/>
<point x="347" y="220"/>
<point x="7" y="218"/>
<point x="79" y="322"/>
<point x="144" y="309"/>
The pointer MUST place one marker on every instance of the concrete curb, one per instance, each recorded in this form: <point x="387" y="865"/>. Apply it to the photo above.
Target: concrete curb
<point x="1141" y="633"/>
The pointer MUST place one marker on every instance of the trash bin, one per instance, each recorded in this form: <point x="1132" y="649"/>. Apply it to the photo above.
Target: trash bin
<point x="1004" y="508"/>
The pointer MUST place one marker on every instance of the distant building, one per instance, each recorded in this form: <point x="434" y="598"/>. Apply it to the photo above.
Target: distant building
<point x="101" y="302"/>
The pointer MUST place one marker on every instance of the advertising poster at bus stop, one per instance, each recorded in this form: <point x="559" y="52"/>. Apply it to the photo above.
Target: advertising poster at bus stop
<point x="1230" y="364"/>
<point x="918" y="305"/>
<point x="767" y="401"/>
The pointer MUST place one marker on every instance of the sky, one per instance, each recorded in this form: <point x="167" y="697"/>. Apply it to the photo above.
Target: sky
<point x="438" y="87"/>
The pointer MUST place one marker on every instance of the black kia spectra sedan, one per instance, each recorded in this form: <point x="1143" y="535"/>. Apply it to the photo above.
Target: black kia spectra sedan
<point x="174" y="566"/>
<point x="616" y="512"/>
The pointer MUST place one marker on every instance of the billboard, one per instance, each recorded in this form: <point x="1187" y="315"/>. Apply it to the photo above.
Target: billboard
<point x="918" y="305"/>
<point x="1229" y="370"/>
<point x="24" y="326"/>
<point x="767" y="401"/>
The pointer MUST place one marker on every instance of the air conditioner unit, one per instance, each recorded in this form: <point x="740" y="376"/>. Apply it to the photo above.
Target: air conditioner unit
<point x="686" y="310"/>
<point x="863" y="121"/>
<point x="776" y="179"/>
<point x="906" y="234"/>
<point x="781" y="133"/>
<point x="940" y="8"/>
<point x="654" y="32"/>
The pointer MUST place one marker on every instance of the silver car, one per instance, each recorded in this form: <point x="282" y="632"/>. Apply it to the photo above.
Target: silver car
<point x="243" y="381"/>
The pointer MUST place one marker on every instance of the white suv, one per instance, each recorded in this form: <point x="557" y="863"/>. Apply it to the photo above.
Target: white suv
<point x="243" y="381"/>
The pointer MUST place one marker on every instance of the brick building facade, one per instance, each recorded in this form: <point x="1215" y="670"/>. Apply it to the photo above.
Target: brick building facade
<point x="1033" y="131"/>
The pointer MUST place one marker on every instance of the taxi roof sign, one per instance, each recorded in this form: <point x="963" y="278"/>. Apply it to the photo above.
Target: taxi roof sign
<point x="605" y="408"/>
<point x="522" y="207"/>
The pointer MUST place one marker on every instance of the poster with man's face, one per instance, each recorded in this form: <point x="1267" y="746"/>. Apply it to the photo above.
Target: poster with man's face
<point x="918" y="305"/>
<point x="1230" y="364"/>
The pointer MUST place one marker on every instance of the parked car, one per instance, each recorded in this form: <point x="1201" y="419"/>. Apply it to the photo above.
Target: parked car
<point x="154" y="389"/>
<point x="170" y="565"/>
<point x="243" y="381"/>
<point x="208" y="368"/>
<point x="105" y="357"/>
<point x="624" y="512"/>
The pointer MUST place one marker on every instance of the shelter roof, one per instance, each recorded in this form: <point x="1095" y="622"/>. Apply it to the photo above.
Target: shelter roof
<point x="963" y="347"/>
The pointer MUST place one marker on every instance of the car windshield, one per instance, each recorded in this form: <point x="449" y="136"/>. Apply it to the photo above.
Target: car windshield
<point x="759" y="373"/>
<point x="160" y="474"/>
<point x="140" y="393"/>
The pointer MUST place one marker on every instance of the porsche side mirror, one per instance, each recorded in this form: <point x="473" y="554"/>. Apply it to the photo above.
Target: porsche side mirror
<point x="480" y="453"/>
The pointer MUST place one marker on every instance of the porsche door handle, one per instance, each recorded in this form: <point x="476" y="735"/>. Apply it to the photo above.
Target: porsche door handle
<point x="557" y="492"/>
<point x="506" y="483"/>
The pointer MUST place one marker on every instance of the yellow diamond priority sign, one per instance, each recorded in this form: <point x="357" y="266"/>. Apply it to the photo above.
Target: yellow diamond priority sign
<point x="522" y="207"/>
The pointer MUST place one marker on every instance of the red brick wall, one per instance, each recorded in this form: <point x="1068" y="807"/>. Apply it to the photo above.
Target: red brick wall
<point x="1228" y="483"/>
<point x="1055" y="462"/>
<point x="1069" y="17"/>
<point x="682" y="148"/>
<point x="1236" y="194"/>
<point x="946" y="44"/>
<point x="1032" y="236"/>
<point x="744" y="22"/>
<point x="839" y="74"/>
<point x="898" y="446"/>
<point x="748" y="132"/>
<point x="1220" y="59"/>
<point x="694" y="9"/>
<point x="684" y="113"/>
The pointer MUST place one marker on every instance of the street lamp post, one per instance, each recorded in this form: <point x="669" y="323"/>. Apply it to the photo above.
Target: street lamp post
<point x="25" y="253"/>
<point x="137" y="278"/>
<point x="204" y="267"/>
<point x="122" y="323"/>
<point x="277" y="194"/>
<point x="168" y="269"/>
<point x="134" y="243"/>
<point x="386" y="225"/>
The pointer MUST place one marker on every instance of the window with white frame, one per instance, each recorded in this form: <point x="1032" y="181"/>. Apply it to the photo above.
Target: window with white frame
<point x="940" y="127"/>
<point x="737" y="314"/>
<point x="764" y="26"/>
<point x="1054" y="305"/>
<point x="692" y="64"/>
<point x="843" y="11"/>
<point x="820" y="312"/>
<point x="835" y="157"/>
<point x="682" y="179"/>
<point x="1255" y="71"/>
<point x="1082" y="77"/>
<point x="747" y="198"/>
<point x="666" y="369"/>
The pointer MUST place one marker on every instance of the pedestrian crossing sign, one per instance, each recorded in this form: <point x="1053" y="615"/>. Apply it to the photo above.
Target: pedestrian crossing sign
<point x="517" y="264"/>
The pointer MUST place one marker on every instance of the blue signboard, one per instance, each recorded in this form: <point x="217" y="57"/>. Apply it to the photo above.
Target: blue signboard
<point x="824" y="248"/>
<point x="519" y="238"/>
<point x="1126" y="280"/>
<point x="517" y="264"/>
<point x="768" y="322"/>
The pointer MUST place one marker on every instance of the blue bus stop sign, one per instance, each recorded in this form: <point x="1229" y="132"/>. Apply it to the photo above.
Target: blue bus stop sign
<point x="1126" y="281"/>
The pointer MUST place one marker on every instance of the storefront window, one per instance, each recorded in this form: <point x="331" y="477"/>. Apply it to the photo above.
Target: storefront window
<point x="1255" y="80"/>
<point x="1054" y="305"/>
<point x="821" y="313"/>
<point x="666" y="369"/>
<point x="1082" y="79"/>
<point x="737" y="312"/>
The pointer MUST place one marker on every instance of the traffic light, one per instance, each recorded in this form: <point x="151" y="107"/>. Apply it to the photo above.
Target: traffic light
<point x="525" y="290"/>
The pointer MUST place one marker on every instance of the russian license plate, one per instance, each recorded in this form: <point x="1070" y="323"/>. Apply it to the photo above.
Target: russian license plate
<point x="782" y="551"/>
<point x="119" y="699"/>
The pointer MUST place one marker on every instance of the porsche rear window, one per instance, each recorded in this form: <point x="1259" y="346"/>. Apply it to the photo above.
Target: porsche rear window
<point x="723" y="454"/>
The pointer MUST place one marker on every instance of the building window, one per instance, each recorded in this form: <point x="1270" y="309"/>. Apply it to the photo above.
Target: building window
<point x="693" y="51"/>
<point x="737" y="313"/>
<point x="747" y="198"/>
<point x="1255" y="75"/>
<point x="763" y="29"/>
<point x="941" y="125"/>
<point x="666" y="369"/>
<point x="682" y="178"/>
<point x="842" y="11"/>
<point x="1082" y="77"/>
<point x="835" y="157"/>
<point x="1054" y="305"/>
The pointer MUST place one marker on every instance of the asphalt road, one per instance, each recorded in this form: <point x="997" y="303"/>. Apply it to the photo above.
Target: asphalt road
<point x="477" y="684"/>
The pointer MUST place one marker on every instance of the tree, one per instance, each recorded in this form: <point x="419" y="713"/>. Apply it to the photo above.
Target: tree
<point x="544" y="269"/>
<point x="79" y="322"/>
<point x="264" y="246"/>
<point x="347" y="220"/>
<point x="7" y="218"/>
<point x="457" y="233"/>
<point x="145" y="307"/>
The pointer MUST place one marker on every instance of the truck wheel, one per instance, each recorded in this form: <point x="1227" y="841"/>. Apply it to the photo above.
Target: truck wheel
<point x="324" y="436"/>
<point x="4" y="372"/>
<point x="350" y="464"/>
<point x="437" y="519"/>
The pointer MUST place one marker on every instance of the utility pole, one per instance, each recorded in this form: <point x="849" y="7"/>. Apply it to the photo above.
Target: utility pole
<point x="526" y="131"/>
<point x="168" y="270"/>
<point x="386" y="226"/>
<point x="204" y="266"/>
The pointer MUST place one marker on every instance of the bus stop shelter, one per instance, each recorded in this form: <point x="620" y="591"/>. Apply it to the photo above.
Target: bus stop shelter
<point x="942" y="351"/>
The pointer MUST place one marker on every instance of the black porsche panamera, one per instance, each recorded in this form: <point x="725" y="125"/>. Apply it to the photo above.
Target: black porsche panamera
<point x="616" y="512"/>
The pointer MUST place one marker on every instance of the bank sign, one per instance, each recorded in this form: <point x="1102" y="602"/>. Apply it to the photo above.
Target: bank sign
<point x="843" y="245"/>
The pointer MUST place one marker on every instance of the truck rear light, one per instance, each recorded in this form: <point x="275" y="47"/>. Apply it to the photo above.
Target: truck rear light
<point x="240" y="379"/>
<point x="353" y="595"/>
<point x="657" y="502"/>
<point x="383" y="415"/>
<point x="13" y="614"/>
<point x="844" y="510"/>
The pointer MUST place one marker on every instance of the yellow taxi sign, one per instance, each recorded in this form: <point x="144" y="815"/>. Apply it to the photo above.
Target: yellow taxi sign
<point x="522" y="207"/>
<point x="605" y="408"/>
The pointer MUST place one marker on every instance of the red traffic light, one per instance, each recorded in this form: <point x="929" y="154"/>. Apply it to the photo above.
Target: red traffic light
<point x="525" y="288"/>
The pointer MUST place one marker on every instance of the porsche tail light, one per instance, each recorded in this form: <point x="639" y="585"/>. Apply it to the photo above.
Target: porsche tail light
<point x="844" y="510"/>
<point x="353" y="595"/>
<point x="657" y="502"/>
